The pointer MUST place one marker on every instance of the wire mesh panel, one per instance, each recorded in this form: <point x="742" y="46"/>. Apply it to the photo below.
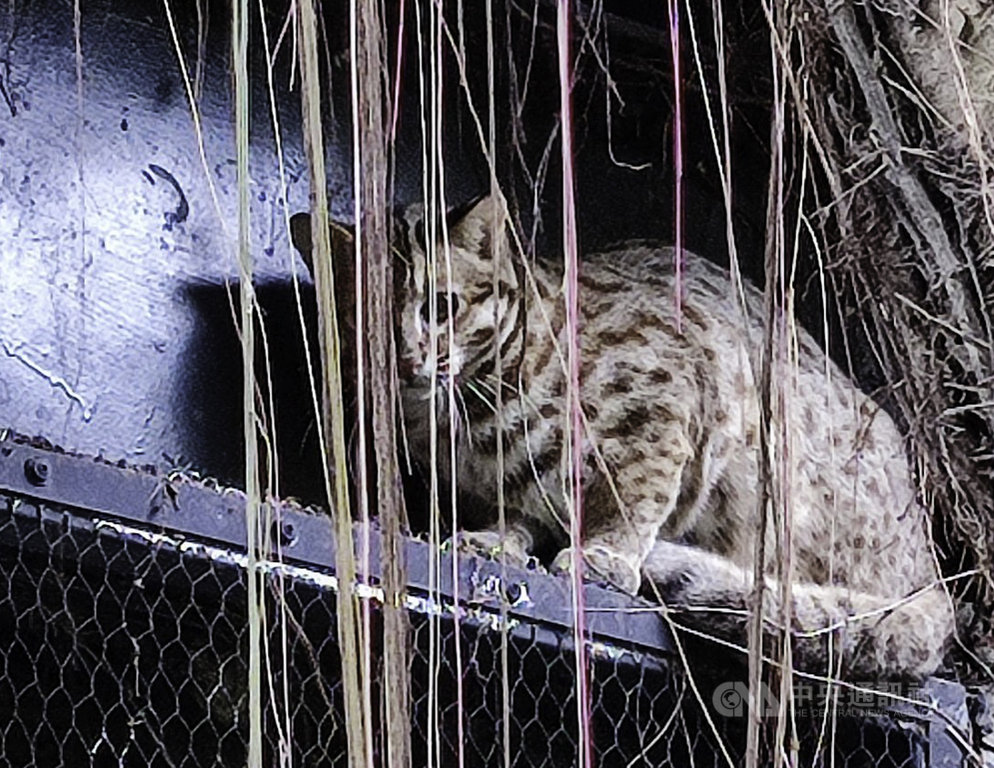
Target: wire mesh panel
<point x="126" y="644"/>
<point x="115" y="650"/>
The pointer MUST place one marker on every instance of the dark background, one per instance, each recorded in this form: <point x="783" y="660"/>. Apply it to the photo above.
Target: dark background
<point x="116" y="329"/>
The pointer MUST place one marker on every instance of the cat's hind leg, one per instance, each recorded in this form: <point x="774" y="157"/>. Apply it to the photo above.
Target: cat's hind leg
<point x="874" y="636"/>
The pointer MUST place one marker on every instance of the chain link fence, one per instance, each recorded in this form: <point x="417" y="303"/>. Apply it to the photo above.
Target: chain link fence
<point x="124" y="641"/>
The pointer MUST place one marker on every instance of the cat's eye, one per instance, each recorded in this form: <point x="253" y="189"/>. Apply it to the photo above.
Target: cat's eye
<point x="441" y="307"/>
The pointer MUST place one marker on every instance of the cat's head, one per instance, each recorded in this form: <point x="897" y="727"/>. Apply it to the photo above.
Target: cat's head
<point x="459" y="296"/>
<point x="441" y="293"/>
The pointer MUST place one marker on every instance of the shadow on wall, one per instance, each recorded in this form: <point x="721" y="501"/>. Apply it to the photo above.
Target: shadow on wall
<point x="207" y="393"/>
<point x="206" y="398"/>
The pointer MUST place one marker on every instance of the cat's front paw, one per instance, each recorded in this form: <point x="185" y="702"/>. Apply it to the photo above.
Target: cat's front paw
<point x="491" y="544"/>
<point x="604" y="564"/>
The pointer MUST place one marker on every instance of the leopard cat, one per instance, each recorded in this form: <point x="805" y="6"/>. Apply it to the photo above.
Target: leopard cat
<point x="670" y="477"/>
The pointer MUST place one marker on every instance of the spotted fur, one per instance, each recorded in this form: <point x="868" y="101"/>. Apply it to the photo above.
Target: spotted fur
<point x="670" y="452"/>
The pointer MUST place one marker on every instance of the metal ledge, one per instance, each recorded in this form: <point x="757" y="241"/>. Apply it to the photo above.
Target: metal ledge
<point x="188" y="508"/>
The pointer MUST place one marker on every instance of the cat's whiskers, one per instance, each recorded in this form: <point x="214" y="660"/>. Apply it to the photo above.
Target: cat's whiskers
<point x="517" y="391"/>
<point x="505" y="384"/>
<point x="485" y="384"/>
<point x="459" y="414"/>
<point x="463" y="415"/>
<point x="473" y="386"/>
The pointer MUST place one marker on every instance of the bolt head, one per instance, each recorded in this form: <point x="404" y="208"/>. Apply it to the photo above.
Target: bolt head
<point x="285" y="531"/>
<point x="289" y="530"/>
<point x="36" y="471"/>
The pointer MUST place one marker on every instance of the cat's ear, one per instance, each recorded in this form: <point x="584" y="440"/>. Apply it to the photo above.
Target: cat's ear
<point x="342" y="239"/>
<point x="300" y="236"/>
<point x="470" y="225"/>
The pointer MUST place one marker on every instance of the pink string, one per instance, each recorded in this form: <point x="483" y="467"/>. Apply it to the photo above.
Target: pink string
<point x="572" y="319"/>
<point x="674" y="10"/>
